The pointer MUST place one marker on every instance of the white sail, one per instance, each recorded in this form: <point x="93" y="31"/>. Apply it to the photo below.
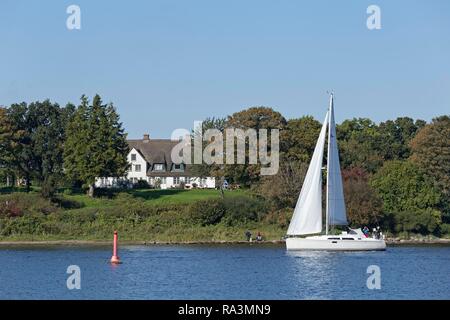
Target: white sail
<point x="336" y="214"/>
<point x="307" y="218"/>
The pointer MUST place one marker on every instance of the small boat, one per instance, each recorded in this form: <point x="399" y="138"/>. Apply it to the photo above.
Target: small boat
<point x="305" y="231"/>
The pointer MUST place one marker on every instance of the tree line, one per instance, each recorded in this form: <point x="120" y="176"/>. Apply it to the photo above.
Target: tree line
<point x="52" y="146"/>
<point x="395" y="173"/>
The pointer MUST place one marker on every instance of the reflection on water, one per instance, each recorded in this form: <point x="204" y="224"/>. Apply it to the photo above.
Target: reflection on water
<point x="223" y="272"/>
<point x="313" y="271"/>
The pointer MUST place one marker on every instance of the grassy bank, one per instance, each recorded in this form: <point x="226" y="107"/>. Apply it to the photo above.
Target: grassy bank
<point x="139" y="215"/>
<point x="161" y="216"/>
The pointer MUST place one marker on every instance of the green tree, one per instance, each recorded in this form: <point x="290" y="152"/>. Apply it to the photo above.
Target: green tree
<point x="205" y="170"/>
<point x="431" y="152"/>
<point x="38" y="142"/>
<point x="359" y="141"/>
<point x="96" y="144"/>
<point x="21" y="160"/>
<point x="256" y="118"/>
<point x="7" y="139"/>
<point x="396" y="136"/>
<point x="410" y="200"/>
<point x="47" y="133"/>
<point x="298" y="139"/>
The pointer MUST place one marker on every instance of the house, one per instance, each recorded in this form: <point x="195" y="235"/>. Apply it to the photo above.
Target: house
<point x="150" y="161"/>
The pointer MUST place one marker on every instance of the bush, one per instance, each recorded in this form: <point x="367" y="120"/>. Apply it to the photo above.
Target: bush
<point x="106" y="192"/>
<point x="445" y="229"/>
<point x="141" y="184"/>
<point x="424" y="221"/>
<point x="242" y="209"/>
<point x="281" y="218"/>
<point x="48" y="188"/>
<point x="207" y="212"/>
<point x="27" y="203"/>
<point x="68" y="192"/>
<point x="10" y="209"/>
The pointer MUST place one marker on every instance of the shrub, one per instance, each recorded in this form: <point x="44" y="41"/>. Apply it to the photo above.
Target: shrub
<point x="49" y="188"/>
<point x="28" y="203"/>
<point x="141" y="184"/>
<point x="280" y="218"/>
<point x="10" y="209"/>
<point x="445" y="229"/>
<point x="241" y="209"/>
<point x="206" y="212"/>
<point x="68" y="192"/>
<point x="421" y="221"/>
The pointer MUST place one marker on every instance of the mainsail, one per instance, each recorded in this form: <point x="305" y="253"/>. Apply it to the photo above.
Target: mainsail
<point x="307" y="218"/>
<point x="336" y="214"/>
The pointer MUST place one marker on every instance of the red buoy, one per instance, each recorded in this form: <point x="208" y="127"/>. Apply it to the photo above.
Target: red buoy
<point x="115" y="258"/>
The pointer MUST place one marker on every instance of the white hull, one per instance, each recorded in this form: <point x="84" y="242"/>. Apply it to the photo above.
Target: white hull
<point x="335" y="243"/>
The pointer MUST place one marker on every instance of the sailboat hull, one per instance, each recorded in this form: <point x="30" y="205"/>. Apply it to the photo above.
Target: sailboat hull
<point x="335" y="243"/>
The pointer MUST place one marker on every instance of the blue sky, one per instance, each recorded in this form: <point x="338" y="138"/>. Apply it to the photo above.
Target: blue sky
<point x="166" y="63"/>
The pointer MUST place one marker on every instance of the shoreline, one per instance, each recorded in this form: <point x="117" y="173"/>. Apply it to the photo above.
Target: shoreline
<point x="392" y="242"/>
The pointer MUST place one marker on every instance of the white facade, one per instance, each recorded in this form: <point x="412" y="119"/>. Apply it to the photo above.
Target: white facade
<point x="140" y="168"/>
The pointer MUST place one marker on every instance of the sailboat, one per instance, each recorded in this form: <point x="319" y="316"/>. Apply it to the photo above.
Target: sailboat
<point x="305" y="231"/>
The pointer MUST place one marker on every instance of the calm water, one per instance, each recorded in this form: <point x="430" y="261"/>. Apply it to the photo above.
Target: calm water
<point x="223" y="272"/>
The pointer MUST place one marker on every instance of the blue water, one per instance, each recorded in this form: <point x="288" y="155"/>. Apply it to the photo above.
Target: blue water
<point x="223" y="272"/>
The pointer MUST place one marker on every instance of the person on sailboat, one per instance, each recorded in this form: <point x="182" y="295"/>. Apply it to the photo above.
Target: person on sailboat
<point x="365" y="230"/>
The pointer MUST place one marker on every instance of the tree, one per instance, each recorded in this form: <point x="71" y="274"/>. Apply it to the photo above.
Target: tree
<point x="7" y="138"/>
<point x="283" y="189"/>
<point x="96" y="144"/>
<point x="206" y="170"/>
<point x="359" y="141"/>
<point x="48" y="122"/>
<point x="410" y="200"/>
<point x="363" y="205"/>
<point x="431" y="152"/>
<point x="397" y="136"/>
<point x="38" y="143"/>
<point x="298" y="139"/>
<point x="255" y="118"/>
<point x="21" y="160"/>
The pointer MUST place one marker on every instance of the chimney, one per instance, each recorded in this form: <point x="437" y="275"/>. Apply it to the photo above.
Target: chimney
<point x="146" y="137"/>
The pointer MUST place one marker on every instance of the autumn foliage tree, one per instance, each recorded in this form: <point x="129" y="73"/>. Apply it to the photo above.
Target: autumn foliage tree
<point x="363" y="205"/>
<point x="282" y="189"/>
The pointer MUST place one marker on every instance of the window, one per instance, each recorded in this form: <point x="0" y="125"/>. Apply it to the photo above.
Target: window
<point x="159" y="167"/>
<point x="177" y="167"/>
<point x="187" y="180"/>
<point x="163" y="180"/>
<point x="133" y="157"/>
<point x="137" y="168"/>
<point x="176" y="180"/>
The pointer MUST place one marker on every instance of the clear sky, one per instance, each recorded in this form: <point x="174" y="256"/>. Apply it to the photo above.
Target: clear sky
<point x="166" y="63"/>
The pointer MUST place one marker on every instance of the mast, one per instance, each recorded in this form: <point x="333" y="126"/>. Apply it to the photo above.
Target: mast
<point x="328" y="164"/>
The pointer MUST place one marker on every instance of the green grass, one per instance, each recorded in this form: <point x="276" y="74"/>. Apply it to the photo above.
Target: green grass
<point x="181" y="196"/>
<point x="138" y="215"/>
<point x="170" y="196"/>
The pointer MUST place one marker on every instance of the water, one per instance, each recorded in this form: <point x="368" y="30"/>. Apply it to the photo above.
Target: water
<point x="223" y="272"/>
